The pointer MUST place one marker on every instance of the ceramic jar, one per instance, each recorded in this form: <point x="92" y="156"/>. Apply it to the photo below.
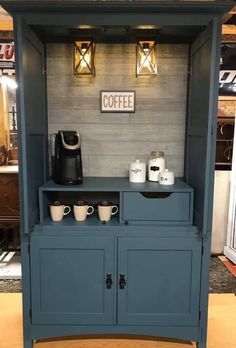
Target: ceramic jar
<point x="166" y="178"/>
<point x="156" y="165"/>
<point x="137" y="172"/>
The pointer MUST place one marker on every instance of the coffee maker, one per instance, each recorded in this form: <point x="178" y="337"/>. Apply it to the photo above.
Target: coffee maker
<point x="66" y="158"/>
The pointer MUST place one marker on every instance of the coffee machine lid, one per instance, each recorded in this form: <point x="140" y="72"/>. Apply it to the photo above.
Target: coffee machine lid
<point x="69" y="146"/>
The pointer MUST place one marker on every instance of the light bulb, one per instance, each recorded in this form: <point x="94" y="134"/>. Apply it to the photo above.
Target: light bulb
<point x="145" y="61"/>
<point x="85" y="60"/>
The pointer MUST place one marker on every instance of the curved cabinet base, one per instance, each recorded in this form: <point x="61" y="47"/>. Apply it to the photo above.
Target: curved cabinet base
<point x="172" y="332"/>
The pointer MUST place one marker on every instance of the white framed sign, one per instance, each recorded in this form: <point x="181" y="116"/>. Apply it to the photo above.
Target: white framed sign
<point x="7" y="58"/>
<point x="117" y="101"/>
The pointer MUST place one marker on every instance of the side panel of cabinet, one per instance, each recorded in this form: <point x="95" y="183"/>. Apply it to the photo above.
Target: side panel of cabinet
<point x="68" y="278"/>
<point x="31" y="120"/>
<point x="162" y="281"/>
<point x="202" y="121"/>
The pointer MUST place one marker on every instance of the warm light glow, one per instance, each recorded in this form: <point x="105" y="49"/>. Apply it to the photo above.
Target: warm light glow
<point x="146" y="64"/>
<point x="8" y="82"/>
<point x="85" y="60"/>
<point x="84" y="52"/>
<point x="145" y="61"/>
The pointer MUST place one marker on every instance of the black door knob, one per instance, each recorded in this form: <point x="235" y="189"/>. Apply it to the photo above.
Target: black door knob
<point x="122" y="281"/>
<point x="109" y="281"/>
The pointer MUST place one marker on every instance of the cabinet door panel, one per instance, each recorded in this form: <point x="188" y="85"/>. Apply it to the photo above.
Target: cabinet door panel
<point x="162" y="281"/>
<point x="68" y="280"/>
<point x="32" y="121"/>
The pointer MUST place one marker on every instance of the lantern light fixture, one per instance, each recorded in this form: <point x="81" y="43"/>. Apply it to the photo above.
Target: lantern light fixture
<point x="146" y="58"/>
<point x="84" y="54"/>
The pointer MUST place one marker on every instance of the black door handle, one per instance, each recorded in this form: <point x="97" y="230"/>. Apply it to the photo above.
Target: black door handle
<point x="122" y="281"/>
<point x="108" y="281"/>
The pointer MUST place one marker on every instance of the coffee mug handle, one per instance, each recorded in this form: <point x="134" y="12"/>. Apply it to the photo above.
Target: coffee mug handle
<point x="116" y="210"/>
<point x="68" y="209"/>
<point x="91" y="210"/>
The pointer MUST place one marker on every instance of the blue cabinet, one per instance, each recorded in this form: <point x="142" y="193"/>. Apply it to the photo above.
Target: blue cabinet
<point x="159" y="280"/>
<point x="162" y="278"/>
<point x="68" y="279"/>
<point x="74" y="280"/>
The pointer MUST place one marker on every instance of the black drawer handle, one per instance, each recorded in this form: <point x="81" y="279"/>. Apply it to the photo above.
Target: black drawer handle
<point x="122" y="281"/>
<point x="109" y="281"/>
<point x="159" y="195"/>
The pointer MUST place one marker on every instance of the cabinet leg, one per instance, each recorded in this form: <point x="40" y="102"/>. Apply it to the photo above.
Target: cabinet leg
<point x="201" y="344"/>
<point x="28" y="343"/>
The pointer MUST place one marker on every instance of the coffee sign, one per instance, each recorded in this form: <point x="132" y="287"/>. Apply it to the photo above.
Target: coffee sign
<point x="117" y="101"/>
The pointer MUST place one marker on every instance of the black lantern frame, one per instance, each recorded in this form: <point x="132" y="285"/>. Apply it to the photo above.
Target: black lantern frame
<point x="146" y="58"/>
<point x="84" y="58"/>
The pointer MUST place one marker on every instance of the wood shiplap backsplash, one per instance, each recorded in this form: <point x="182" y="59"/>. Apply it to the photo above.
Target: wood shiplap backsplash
<point x="112" y="141"/>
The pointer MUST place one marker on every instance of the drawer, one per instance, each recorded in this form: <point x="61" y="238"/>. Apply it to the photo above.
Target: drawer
<point x="163" y="207"/>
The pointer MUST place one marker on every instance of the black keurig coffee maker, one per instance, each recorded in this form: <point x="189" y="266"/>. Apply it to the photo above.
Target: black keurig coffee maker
<point x="66" y="158"/>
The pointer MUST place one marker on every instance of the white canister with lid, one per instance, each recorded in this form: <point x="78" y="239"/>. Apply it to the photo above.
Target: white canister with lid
<point x="137" y="172"/>
<point x="156" y="164"/>
<point x="167" y="178"/>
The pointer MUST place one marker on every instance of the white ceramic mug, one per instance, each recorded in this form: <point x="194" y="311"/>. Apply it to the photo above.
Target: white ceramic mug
<point x="81" y="210"/>
<point x="58" y="210"/>
<point x="106" y="210"/>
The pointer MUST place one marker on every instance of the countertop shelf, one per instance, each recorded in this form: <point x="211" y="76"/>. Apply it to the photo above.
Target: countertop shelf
<point x="113" y="184"/>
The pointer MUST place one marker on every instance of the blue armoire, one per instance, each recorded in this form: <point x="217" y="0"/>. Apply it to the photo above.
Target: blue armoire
<point x="147" y="271"/>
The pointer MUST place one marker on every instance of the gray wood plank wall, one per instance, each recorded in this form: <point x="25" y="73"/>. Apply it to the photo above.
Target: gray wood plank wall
<point x="112" y="141"/>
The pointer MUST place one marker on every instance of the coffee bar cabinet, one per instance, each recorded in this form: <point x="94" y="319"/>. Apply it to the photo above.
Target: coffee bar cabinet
<point x="146" y="271"/>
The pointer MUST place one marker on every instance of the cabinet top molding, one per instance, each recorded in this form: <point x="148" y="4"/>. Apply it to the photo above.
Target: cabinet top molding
<point x="161" y="6"/>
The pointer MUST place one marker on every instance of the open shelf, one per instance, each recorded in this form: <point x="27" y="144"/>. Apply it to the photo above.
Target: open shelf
<point x="93" y="221"/>
<point x="132" y="200"/>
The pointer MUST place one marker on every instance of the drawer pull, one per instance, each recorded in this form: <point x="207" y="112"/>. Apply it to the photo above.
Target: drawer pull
<point x="109" y="281"/>
<point x="122" y="281"/>
<point x="159" y="195"/>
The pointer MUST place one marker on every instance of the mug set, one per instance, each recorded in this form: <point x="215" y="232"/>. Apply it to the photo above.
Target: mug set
<point x="81" y="210"/>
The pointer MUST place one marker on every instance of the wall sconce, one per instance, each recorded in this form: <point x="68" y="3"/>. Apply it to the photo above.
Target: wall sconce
<point x="84" y="53"/>
<point x="146" y="58"/>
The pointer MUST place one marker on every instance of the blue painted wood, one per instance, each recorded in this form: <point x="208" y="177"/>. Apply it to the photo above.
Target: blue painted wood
<point x="144" y="7"/>
<point x="188" y="333"/>
<point x="91" y="221"/>
<point x="32" y="121"/>
<point x="199" y="130"/>
<point x="114" y="18"/>
<point x="208" y="44"/>
<point x="159" y="200"/>
<point x="215" y="59"/>
<point x="68" y="279"/>
<point x="154" y="230"/>
<point x="173" y="208"/>
<point x="163" y="281"/>
<point x="199" y="173"/>
<point x="114" y="184"/>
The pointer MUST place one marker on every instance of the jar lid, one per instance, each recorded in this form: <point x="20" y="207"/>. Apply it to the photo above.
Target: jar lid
<point x="157" y="154"/>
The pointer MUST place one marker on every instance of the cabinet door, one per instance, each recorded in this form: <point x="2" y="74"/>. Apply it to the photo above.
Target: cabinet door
<point x="201" y="122"/>
<point x="68" y="276"/>
<point x="32" y="120"/>
<point x="162" y="281"/>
